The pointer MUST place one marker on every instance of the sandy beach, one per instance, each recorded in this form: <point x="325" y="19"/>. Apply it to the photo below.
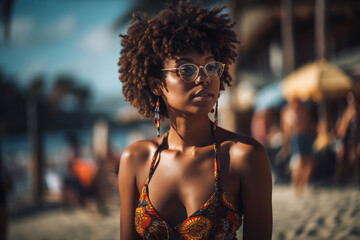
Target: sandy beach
<point x="321" y="213"/>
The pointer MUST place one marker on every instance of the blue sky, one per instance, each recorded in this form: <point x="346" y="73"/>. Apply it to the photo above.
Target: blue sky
<point x="63" y="36"/>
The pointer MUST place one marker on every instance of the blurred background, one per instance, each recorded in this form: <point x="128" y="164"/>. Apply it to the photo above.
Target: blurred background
<point x="64" y="121"/>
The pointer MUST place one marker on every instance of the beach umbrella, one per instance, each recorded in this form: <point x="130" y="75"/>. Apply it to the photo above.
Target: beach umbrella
<point x="269" y="96"/>
<point x="317" y="81"/>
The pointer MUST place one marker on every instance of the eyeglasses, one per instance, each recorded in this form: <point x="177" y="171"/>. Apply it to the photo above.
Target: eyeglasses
<point x="189" y="72"/>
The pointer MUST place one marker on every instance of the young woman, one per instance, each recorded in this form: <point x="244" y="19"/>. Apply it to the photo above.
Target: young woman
<point x="197" y="181"/>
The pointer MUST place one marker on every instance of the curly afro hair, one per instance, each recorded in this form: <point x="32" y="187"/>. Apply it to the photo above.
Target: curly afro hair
<point x="149" y="41"/>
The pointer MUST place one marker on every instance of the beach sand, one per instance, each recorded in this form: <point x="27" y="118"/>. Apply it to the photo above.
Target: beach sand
<point x="321" y="213"/>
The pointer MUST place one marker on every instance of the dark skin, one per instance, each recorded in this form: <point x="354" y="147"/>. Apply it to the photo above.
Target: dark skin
<point x="184" y="178"/>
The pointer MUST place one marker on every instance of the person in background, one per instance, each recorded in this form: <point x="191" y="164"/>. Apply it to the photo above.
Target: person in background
<point x="324" y="152"/>
<point x="78" y="184"/>
<point x="298" y="127"/>
<point x="198" y="180"/>
<point x="348" y="144"/>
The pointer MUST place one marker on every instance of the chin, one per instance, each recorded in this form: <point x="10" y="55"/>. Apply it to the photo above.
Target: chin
<point x="204" y="110"/>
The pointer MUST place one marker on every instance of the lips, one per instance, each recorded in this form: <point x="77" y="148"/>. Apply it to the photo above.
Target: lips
<point x="203" y="94"/>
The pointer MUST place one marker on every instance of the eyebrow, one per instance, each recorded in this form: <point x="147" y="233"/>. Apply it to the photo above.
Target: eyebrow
<point x="190" y="60"/>
<point x="183" y="59"/>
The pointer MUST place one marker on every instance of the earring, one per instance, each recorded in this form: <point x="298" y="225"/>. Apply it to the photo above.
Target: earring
<point x="216" y="115"/>
<point x="157" y="117"/>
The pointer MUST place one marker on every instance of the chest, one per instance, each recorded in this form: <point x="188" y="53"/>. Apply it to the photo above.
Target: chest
<point x="182" y="184"/>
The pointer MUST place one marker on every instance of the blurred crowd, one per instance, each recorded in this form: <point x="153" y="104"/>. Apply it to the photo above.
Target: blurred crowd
<point x="90" y="179"/>
<point x="72" y="173"/>
<point x="307" y="143"/>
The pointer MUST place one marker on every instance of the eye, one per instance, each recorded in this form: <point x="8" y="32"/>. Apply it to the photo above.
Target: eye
<point x="212" y="67"/>
<point x="187" y="69"/>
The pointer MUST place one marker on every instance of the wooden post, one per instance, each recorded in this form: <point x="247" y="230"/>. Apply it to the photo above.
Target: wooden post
<point x="227" y="110"/>
<point x="287" y="35"/>
<point x="320" y="25"/>
<point x="35" y="134"/>
<point x="320" y="43"/>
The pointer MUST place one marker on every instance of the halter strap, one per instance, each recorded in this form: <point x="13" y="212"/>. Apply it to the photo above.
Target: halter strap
<point x="154" y="161"/>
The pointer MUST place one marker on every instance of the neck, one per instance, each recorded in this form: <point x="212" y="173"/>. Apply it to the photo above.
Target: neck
<point x="190" y="131"/>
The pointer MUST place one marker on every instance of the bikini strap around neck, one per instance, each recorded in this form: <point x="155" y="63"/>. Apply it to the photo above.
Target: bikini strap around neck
<point x="153" y="161"/>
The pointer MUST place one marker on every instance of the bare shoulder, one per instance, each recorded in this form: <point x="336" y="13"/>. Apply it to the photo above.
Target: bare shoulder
<point x="244" y="151"/>
<point x="138" y="152"/>
<point x="135" y="159"/>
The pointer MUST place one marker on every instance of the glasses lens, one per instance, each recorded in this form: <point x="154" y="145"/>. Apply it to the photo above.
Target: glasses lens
<point x="214" y="69"/>
<point x="188" y="71"/>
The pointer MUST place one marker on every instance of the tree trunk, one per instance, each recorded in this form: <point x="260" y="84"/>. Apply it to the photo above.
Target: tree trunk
<point x="287" y="35"/>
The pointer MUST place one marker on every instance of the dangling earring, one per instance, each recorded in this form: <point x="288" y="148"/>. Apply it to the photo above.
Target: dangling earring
<point x="216" y="115"/>
<point x="157" y="117"/>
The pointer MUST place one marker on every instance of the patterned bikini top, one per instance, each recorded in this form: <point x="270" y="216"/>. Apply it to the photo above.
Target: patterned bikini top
<point x="216" y="219"/>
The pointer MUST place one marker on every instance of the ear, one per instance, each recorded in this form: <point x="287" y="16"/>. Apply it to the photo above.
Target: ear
<point x="154" y="84"/>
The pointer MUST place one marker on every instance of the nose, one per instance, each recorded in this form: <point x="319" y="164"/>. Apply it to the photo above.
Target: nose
<point x="202" y="77"/>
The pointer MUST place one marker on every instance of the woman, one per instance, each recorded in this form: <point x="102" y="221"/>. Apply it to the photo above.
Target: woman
<point x="198" y="181"/>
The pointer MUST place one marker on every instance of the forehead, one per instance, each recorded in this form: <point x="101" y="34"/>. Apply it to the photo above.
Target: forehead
<point x="190" y="56"/>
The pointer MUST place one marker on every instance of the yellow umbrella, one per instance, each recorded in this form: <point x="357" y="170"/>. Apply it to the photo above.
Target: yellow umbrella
<point x="318" y="80"/>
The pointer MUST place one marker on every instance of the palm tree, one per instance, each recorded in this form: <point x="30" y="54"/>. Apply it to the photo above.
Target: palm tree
<point x="6" y="7"/>
<point x="66" y="85"/>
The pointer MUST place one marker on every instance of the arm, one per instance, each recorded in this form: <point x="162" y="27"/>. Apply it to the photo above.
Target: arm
<point x="343" y="123"/>
<point x="285" y="150"/>
<point x="129" y="195"/>
<point x="256" y="189"/>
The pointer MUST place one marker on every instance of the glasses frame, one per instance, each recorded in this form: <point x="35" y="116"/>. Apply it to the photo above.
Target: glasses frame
<point x="197" y="70"/>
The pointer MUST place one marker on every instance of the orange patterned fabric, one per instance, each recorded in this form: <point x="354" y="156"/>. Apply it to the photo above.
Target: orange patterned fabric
<point x="216" y="219"/>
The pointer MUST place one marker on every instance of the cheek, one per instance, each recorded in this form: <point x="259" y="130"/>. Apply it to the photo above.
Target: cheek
<point x="175" y="88"/>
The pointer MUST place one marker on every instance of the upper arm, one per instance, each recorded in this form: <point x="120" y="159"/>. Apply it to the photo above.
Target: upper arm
<point x="129" y="194"/>
<point x="256" y="192"/>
